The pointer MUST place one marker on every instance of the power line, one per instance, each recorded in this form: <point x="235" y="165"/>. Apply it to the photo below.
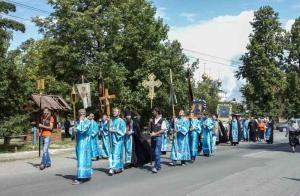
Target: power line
<point x="17" y="17"/>
<point x="219" y="63"/>
<point x="29" y="7"/>
<point x="209" y="55"/>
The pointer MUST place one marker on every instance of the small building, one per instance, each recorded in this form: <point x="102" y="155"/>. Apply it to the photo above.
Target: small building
<point x="55" y="103"/>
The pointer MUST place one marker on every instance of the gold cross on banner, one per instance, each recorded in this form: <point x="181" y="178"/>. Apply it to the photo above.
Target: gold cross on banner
<point x="150" y="84"/>
<point x="107" y="97"/>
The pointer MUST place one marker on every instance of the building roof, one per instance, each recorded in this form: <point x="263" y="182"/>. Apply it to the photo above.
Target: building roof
<point x="53" y="102"/>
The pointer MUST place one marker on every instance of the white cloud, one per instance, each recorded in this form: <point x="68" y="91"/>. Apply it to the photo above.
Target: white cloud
<point x="289" y="24"/>
<point x="223" y="36"/>
<point x="189" y="16"/>
<point x="161" y="13"/>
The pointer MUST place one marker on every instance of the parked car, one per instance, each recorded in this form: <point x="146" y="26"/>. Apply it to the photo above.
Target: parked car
<point x="281" y="126"/>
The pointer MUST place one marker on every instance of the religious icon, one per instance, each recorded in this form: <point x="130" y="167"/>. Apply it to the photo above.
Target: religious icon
<point x="224" y="111"/>
<point x="84" y="90"/>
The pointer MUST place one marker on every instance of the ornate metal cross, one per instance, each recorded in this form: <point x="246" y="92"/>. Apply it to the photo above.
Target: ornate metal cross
<point x="106" y="98"/>
<point x="150" y="84"/>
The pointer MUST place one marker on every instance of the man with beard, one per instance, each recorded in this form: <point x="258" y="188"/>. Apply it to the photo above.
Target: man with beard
<point x="83" y="149"/>
<point x="137" y="149"/>
<point x="181" y="147"/>
<point x="117" y="131"/>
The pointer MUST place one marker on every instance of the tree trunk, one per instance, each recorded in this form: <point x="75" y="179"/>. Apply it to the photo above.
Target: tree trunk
<point x="7" y="141"/>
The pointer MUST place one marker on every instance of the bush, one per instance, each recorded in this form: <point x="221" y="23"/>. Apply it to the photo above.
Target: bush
<point x="15" y="125"/>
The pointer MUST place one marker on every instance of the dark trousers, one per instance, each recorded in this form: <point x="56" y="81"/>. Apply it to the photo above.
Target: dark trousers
<point x="156" y="148"/>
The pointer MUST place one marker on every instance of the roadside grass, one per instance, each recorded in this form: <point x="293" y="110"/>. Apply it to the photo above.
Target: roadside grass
<point x="19" y="146"/>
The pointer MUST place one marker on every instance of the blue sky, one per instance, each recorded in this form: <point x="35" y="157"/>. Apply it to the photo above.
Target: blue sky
<point x="207" y="9"/>
<point x="216" y="29"/>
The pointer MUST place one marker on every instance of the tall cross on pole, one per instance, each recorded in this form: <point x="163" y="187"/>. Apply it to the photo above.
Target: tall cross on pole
<point x="106" y="98"/>
<point x="150" y="84"/>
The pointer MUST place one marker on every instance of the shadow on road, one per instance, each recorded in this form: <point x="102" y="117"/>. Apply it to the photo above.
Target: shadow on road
<point x="104" y="170"/>
<point x="282" y="147"/>
<point x="36" y="165"/>
<point x="295" y="179"/>
<point x="74" y="158"/>
<point x="68" y="177"/>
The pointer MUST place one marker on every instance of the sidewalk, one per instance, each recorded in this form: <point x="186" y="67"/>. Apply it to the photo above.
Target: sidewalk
<point x="31" y="154"/>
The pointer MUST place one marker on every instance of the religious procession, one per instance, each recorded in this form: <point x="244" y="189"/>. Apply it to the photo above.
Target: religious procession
<point x="149" y="97"/>
<point x="183" y="137"/>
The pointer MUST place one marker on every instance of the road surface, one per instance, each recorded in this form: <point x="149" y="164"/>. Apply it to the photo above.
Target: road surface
<point x="248" y="169"/>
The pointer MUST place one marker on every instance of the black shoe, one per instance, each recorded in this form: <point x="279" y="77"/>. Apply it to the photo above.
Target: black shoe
<point x="42" y="167"/>
<point x="163" y="153"/>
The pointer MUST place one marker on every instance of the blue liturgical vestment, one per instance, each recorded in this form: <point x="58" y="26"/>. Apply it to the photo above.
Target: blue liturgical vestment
<point x="234" y="132"/>
<point x="194" y="136"/>
<point x="96" y="152"/>
<point x="83" y="149"/>
<point x="105" y="147"/>
<point x="118" y="126"/>
<point x="164" y="142"/>
<point x="182" y="148"/>
<point x="128" y="142"/>
<point x="246" y="129"/>
<point x="207" y="129"/>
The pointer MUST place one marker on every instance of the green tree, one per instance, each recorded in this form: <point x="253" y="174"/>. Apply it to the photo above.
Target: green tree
<point x="292" y="102"/>
<point x="262" y="64"/>
<point x="209" y="90"/>
<point x="12" y="78"/>
<point x="124" y="41"/>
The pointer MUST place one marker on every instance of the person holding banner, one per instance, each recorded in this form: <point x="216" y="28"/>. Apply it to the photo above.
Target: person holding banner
<point x="117" y="130"/>
<point x="83" y="148"/>
<point x="46" y="126"/>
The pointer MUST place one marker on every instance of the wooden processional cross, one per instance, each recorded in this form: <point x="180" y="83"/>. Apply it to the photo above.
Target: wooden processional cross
<point x="150" y="84"/>
<point x="106" y="99"/>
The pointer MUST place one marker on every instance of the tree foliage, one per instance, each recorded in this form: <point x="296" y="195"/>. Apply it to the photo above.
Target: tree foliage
<point x="123" y="41"/>
<point x="13" y="80"/>
<point x="292" y="101"/>
<point x="263" y="64"/>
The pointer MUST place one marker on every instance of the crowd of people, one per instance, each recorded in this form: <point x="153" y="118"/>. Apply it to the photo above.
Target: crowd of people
<point x="123" y="143"/>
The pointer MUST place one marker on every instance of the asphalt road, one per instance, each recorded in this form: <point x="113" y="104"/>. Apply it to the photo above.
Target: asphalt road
<point x="248" y="169"/>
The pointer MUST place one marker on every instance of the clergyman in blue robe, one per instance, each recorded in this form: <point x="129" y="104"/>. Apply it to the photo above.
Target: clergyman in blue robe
<point x="105" y="146"/>
<point x="164" y="142"/>
<point x="234" y="131"/>
<point x="96" y="151"/>
<point x="117" y="130"/>
<point x="195" y="130"/>
<point x="128" y="141"/>
<point x="207" y="129"/>
<point x="181" y="146"/>
<point x="246" y="130"/>
<point x="83" y="149"/>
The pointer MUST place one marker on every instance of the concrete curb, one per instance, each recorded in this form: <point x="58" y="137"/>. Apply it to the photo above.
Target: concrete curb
<point x="5" y="157"/>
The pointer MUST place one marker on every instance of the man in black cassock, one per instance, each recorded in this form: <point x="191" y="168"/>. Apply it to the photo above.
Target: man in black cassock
<point x="252" y="129"/>
<point x="141" y="151"/>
